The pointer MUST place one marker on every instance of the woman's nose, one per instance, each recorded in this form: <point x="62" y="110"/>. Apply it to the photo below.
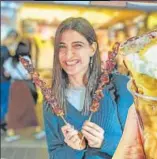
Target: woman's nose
<point x="69" y="54"/>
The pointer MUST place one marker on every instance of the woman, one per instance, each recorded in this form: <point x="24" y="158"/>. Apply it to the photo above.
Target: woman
<point x="21" y="112"/>
<point x="76" y="69"/>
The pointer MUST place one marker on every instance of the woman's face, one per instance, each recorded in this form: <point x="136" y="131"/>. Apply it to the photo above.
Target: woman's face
<point x="74" y="53"/>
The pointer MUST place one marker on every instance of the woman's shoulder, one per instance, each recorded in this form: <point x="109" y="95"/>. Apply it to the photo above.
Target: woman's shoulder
<point x="117" y="86"/>
<point x="120" y="79"/>
<point x="120" y="82"/>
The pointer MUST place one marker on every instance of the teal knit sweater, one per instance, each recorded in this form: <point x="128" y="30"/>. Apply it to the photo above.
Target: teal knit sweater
<point x="111" y="117"/>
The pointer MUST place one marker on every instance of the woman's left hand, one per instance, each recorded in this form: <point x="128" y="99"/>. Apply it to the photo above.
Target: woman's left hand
<point x="93" y="133"/>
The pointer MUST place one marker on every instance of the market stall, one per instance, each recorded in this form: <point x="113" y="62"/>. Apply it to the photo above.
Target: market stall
<point x="40" y="21"/>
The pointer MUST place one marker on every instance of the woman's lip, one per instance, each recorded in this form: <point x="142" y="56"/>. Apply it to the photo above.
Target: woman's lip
<point x="72" y="63"/>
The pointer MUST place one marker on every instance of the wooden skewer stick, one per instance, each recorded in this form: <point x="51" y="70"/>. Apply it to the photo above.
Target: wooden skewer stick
<point x="64" y="119"/>
<point x="42" y="85"/>
<point x="90" y="117"/>
<point x="104" y="79"/>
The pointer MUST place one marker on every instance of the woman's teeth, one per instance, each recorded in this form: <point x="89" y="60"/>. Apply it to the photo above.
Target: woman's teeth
<point x="71" y="63"/>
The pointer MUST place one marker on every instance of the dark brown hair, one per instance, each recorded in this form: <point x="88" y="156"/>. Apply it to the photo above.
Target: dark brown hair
<point x="59" y="76"/>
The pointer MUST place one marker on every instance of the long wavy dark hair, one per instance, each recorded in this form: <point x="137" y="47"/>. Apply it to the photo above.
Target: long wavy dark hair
<point x="59" y="76"/>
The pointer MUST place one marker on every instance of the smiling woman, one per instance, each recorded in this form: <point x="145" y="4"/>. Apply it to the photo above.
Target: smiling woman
<point x="75" y="53"/>
<point x="76" y="72"/>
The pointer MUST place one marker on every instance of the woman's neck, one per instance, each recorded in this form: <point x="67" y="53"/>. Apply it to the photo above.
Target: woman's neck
<point x="76" y="81"/>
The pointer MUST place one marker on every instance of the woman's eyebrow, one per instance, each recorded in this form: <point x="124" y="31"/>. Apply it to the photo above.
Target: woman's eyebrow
<point x="61" y="43"/>
<point x="78" y="42"/>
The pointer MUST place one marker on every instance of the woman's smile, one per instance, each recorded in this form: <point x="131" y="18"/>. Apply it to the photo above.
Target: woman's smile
<point x="72" y="63"/>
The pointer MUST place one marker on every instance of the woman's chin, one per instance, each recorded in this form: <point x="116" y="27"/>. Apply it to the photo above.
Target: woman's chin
<point x="75" y="70"/>
<point x="72" y="72"/>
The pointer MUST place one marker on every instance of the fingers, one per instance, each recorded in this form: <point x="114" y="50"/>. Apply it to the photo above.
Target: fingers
<point x="92" y="143"/>
<point x="71" y="134"/>
<point x="89" y="136"/>
<point x="74" y="139"/>
<point x="93" y="132"/>
<point x="66" y="128"/>
<point x="93" y="126"/>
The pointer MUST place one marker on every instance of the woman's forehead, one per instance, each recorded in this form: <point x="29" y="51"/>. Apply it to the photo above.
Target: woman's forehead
<point x="72" y="36"/>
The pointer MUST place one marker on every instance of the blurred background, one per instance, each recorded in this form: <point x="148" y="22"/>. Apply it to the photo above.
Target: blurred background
<point x="34" y="24"/>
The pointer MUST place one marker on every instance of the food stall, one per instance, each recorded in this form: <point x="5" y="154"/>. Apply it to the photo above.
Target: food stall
<point x="40" y="20"/>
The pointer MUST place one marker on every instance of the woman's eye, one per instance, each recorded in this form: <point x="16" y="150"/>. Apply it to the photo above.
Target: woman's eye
<point x="62" y="49"/>
<point x="77" y="46"/>
<point x="61" y="46"/>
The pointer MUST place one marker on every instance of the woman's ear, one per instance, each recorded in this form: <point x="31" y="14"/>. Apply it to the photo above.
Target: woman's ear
<point x="93" y="48"/>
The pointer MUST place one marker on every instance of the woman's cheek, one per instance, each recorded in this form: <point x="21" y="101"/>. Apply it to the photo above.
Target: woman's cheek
<point x="61" y="58"/>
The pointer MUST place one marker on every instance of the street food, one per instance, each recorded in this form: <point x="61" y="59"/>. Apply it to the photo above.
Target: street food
<point x="140" y="58"/>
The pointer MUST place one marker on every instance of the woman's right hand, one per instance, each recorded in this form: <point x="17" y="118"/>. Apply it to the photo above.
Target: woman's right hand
<point x="72" y="138"/>
<point x="130" y="145"/>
